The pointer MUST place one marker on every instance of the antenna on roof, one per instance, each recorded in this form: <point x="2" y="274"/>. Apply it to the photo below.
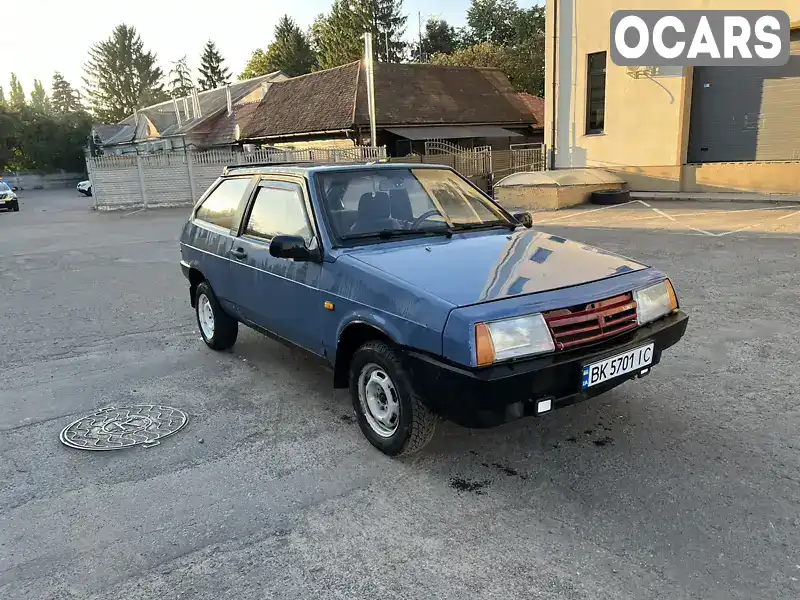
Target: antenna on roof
<point x="186" y="107"/>
<point x="228" y="96"/>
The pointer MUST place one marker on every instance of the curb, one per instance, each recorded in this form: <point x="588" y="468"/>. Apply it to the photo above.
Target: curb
<point x="716" y="197"/>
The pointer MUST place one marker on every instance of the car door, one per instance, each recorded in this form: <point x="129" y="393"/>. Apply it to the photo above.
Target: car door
<point x="280" y="295"/>
<point x="208" y="237"/>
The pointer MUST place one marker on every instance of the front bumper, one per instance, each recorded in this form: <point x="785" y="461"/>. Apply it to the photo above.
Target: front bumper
<point x="490" y="396"/>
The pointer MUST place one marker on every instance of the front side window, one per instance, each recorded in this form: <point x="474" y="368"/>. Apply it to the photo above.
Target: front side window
<point x="401" y="201"/>
<point x="596" y="93"/>
<point x="278" y="209"/>
<point x="220" y="207"/>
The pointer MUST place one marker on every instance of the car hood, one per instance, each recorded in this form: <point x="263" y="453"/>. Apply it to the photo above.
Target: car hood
<point x="485" y="266"/>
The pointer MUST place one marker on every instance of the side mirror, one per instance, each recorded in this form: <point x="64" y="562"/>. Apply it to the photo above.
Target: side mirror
<point x="290" y="246"/>
<point x="14" y="188"/>
<point x="525" y="218"/>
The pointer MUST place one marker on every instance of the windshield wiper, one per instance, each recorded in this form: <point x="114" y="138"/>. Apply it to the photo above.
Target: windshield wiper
<point x="386" y="234"/>
<point x="484" y="225"/>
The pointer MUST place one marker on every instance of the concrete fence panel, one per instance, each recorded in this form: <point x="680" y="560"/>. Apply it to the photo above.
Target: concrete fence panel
<point x="180" y="178"/>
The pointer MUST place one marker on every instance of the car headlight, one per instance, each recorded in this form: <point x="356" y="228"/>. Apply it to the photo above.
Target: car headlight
<point x="511" y="338"/>
<point x="655" y="301"/>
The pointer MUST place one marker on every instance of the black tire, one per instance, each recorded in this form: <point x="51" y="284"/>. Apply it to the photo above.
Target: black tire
<point x="416" y="423"/>
<point x="225" y="329"/>
<point x="15" y="206"/>
<point x="610" y="197"/>
<point x="89" y="191"/>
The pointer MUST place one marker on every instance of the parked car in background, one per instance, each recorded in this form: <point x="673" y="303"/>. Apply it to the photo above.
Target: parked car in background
<point x="85" y="188"/>
<point x="8" y="198"/>
<point x="424" y="296"/>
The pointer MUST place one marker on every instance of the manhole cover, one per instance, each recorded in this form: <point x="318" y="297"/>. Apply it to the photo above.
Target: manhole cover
<point x="116" y="428"/>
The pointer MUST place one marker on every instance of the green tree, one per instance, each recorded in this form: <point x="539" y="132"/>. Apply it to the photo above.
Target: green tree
<point x="16" y="95"/>
<point x="2" y="97"/>
<point x="212" y="72"/>
<point x="291" y="50"/>
<point x="122" y="76"/>
<point x="338" y="39"/>
<point x="39" y="100"/>
<point x="440" y="38"/>
<point x="180" y="82"/>
<point x="64" y="99"/>
<point x="492" y="21"/>
<point x="256" y="66"/>
<point x="9" y="137"/>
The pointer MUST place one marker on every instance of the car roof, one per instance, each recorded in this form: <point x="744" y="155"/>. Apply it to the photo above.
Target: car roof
<point x="301" y="169"/>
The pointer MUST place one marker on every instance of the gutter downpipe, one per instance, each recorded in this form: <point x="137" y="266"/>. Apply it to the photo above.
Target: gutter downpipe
<point x="553" y="91"/>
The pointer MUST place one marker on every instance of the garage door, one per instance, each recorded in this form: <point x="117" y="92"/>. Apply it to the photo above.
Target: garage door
<point x="746" y="113"/>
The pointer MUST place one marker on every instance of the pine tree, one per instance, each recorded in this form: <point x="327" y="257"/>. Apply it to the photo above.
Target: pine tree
<point x="338" y="36"/>
<point x="16" y="95"/>
<point x="386" y="21"/>
<point x="65" y="99"/>
<point x="39" y="100"/>
<point x="180" y="83"/>
<point x="291" y="51"/>
<point x="213" y="74"/>
<point x="440" y="38"/>
<point x="122" y="76"/>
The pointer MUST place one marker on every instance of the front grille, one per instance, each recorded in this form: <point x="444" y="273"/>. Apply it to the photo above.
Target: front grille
<point x="585" y="324"/>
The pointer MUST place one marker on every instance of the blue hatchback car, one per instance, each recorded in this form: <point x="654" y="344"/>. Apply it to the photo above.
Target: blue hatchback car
<point x="424" y="296"/>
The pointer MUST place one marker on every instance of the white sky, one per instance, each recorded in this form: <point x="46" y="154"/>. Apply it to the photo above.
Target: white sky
<point x="42" y="36"/>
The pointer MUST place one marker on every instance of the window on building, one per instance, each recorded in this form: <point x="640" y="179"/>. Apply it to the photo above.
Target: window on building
<point x="220" y="207"/>
<point x="596" y="93"/>
<point x="278" y="210"/>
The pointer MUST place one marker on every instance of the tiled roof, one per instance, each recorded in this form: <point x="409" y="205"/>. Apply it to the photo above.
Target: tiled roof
<point x="405" y="94"/>
<point x="321" y="101"/>
<point x="422" y="94"/>
<point x="221" y="130"/>
<point x="164" y="120"/>
<point x="535" y="105"/>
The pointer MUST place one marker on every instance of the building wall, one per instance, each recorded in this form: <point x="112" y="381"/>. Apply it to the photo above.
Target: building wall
<point x="646" y="119"/>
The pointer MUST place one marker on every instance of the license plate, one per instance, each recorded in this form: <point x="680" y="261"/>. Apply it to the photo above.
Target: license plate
<point x="615" y="366"/>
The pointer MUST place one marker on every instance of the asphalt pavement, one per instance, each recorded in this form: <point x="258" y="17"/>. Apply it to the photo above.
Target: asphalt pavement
<point x="684" y="484"/>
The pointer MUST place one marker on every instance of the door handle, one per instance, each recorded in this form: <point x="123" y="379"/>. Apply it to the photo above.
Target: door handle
<point x="239" y="253"/>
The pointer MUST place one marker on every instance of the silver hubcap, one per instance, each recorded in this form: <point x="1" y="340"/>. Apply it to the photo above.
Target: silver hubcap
<point x="379" y="400"/>
<point x="205" y="314"/>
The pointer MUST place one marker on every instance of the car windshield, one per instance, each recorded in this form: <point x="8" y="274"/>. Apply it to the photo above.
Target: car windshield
<point x="395" y="202"/>
<point x="4" y="187"/>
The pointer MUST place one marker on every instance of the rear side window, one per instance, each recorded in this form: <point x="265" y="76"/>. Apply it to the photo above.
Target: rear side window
<point x="278" y="209"/>
<point x="220" y="207"/>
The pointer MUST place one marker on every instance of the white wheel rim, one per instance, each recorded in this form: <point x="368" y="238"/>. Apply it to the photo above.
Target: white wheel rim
<point x="379" y="400"/>
<point x="205" y="315"/>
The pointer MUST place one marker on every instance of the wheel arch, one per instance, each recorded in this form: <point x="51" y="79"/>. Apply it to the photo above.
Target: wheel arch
<point x="352" y="336"/>
<point x="195" y="277"/>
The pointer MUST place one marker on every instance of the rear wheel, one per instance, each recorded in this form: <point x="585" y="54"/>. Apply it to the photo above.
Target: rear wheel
<point x="218" y="328"/>
<point x="389" y="412"/>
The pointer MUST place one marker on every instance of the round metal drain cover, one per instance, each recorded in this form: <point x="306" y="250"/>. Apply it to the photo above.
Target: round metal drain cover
<point x="116" y="428"/>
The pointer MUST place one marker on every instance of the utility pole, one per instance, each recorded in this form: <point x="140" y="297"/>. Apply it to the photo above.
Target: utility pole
<point x="386" y="34"/>
<point x="369" y="65"/>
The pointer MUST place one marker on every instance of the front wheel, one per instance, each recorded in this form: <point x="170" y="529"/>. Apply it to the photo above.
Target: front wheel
<point x="390" y="414"/>
<point x="15" y="206"/>
<point x="218" y="328"/>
